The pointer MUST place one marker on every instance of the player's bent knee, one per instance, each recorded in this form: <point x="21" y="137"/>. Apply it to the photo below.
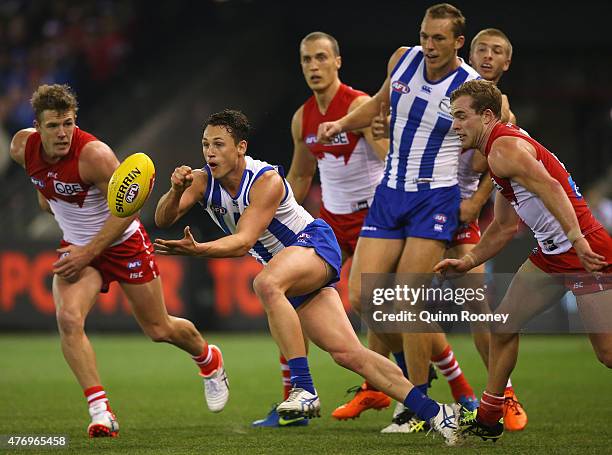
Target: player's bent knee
<point x="266" y="287"/>
<point x="69" y="322"/>
<point x="350" y="359"/>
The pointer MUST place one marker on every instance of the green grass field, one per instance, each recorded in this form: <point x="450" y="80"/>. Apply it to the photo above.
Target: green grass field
<point x="159" y="401"/>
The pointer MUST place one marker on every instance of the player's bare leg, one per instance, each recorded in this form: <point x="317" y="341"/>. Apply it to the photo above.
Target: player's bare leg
<point x="73" y="302"/>
<point x="371" y="256"/>
<point x="342" y="343"/>
<point x="597" y="318"/>
<point x="147" y="302"/>
<point x="540" y="290"/>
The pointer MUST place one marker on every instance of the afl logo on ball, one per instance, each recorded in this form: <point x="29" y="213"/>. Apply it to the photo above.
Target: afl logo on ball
<point x="132" y="193"/>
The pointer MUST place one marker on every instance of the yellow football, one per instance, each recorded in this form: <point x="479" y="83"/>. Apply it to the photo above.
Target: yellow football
<point x="130" y="185"/>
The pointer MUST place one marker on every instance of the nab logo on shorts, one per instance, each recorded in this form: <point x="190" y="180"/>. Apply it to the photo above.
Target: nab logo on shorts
<point x="400" y="87"/>
<point x="218" y="209"/>
<point x="67" y="189"/>
<point x="134" y="264"/>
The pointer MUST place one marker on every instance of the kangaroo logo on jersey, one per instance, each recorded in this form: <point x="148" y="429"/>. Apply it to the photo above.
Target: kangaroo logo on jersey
<point x="218" y="209"/>
<point x="67" y="189"/>
<point x="400" y="87"/>
<point x="445" y="106"/>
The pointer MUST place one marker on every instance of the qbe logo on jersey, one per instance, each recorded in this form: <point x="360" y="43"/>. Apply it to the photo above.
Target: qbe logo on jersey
<point x="67" y="189"/>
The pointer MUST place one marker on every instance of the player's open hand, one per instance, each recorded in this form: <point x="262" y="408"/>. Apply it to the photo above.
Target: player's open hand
<point x="380" y="123"/>
<point x="181" y="178"/>
<point x="327" y="131"/>
<point x="187" y="246"/>
<point x="591" y="261"/>
<point x="73" y="259"/>
<point x="453" y="268"/>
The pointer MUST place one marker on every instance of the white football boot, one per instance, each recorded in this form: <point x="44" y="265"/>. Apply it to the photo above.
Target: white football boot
<point x="300" y="403"/>
<point x="216" y="385"/>
<point x="103" y="422"/>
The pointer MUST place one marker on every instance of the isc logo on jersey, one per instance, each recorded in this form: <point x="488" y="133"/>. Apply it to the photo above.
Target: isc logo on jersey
<point x="67" y="189"/>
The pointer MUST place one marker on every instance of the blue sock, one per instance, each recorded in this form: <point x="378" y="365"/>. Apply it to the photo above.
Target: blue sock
<point x="300" y="374"/>
<point x="401" y="362"/>
<point x="423" y="388"/>
<point x="424" y="407"/>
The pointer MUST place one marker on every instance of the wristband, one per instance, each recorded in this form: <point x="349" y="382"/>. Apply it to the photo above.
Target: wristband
<point x="574" y="235"/>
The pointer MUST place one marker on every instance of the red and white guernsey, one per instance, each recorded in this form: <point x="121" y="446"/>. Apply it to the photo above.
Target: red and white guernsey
<point x="530" y="208"/>
<point x="80" y="208"/>
<point x="349" y="169"/>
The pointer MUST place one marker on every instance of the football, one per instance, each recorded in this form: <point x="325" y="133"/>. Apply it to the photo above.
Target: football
<point x="130" y="185"/>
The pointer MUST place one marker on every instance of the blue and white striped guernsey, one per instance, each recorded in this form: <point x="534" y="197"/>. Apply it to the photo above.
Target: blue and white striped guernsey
<point x="289" y="220"/>
<point x="423" y="149"/>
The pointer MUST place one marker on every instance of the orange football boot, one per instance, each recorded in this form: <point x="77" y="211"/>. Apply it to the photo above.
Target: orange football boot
<point x="364" y="399"/>
<point x="515" y="417"/>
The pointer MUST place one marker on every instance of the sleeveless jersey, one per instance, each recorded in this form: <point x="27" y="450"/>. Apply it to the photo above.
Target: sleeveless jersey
<point x="530" y="208"/>
<point x="423" y="149"/>
<point x="348" y="167"/>
<point x="225" y="210"/>
<point x="79" y="208"/>
<point x="467" y="177"/>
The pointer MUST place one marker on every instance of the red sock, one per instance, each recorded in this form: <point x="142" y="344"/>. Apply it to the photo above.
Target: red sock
<point x="286" y="376"/>
<point x="96" y="396"/>
<point x="449" y="367"/>
<point x="491" y="409"/>
<point x="371" y="387"/>
<point x="208" y="361"/>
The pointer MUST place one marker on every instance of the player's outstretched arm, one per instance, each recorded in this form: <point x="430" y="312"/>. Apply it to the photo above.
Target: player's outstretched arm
<point x="303" y="163"/>
<point x="362" y="116"/>
<point x="264" y="198"/>
<point x="187" y="187"/>
<point x="495" y="238"/>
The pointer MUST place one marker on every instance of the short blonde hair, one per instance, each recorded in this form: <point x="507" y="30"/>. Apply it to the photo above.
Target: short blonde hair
<point x="492" y="32"/>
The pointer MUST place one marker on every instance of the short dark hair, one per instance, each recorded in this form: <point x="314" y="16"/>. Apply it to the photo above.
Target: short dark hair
<point x="56" y="97"/>
<point x="448" y="11"/>
<point x="235" y="122"/>
<point x="484" y="94"/>
<point x="322" y="35"/>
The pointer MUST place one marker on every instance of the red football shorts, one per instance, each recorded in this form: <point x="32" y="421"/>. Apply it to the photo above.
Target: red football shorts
<point x="466" y="234"/>
<point x="576" y="279"/>
<point x="346" y="227"/>
<point x="131" y="262"/>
